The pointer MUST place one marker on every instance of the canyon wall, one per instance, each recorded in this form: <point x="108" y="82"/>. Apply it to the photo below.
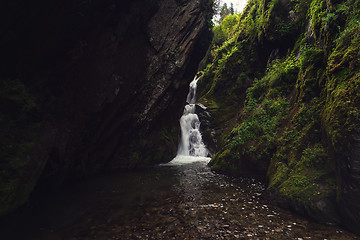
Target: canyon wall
<point x="281" y="86"/>
<point x="92" y="85"/>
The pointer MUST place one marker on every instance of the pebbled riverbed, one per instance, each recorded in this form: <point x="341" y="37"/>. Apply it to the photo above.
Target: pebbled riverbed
<point x="176" y="201"/>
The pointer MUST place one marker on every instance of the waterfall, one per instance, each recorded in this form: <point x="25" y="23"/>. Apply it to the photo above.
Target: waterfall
<point x="191" y="143"/>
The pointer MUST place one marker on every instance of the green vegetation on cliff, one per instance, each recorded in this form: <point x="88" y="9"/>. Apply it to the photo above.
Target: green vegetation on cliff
<point x="282" y="85"/>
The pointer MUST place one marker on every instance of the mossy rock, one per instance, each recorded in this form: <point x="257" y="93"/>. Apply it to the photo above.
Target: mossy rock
<point x="307" y="185"/>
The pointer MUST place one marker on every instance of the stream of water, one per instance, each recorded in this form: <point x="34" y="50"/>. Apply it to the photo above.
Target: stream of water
<point x="179" y="200"/>
<point x="182" y="200"/>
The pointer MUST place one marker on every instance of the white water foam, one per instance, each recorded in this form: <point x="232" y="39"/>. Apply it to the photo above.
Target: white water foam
<point x="191" y="147"/>
<point x="181" y="160"/>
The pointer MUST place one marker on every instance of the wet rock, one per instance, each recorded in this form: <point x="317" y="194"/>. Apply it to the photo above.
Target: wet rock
<point x="349" y="169"/>
<point x="207" y="128"/>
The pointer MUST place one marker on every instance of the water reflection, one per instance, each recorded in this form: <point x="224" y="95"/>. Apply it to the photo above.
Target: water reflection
<point x="173" y="201"/>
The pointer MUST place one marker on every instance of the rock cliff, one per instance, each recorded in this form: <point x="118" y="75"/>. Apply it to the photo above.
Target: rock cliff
<point x="281" y="84"/>
<point x="91" y="85"/>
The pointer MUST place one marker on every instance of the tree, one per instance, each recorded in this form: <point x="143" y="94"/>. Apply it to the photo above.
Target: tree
<point x="226" y="29"/>
<point x="216" y="6"/>
<point x="231" y="9"/>
<point x="224" y="12"/>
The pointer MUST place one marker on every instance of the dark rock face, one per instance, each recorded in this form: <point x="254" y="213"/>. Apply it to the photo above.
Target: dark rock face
<point x="349" y="170"/>
<point x="109" y="78"/>
<point x="207" y="128"/>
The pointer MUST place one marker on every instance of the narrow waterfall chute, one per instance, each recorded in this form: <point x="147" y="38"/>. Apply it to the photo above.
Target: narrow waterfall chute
<point x="191" y="143"/>
<point x="191" y="97"/>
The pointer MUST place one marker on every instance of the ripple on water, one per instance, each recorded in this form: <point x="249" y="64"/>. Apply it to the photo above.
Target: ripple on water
<point x="179" y="200"/>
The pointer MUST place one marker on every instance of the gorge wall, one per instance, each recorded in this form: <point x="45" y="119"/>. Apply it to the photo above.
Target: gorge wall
<point x="281" y="84"/>
<point x="91" y="85"/>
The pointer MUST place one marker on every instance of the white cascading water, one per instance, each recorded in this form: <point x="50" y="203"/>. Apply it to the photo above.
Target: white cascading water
<point x="191" y="147"/>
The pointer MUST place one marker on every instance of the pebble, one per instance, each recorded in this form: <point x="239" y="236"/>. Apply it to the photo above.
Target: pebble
<point x="202" y="211"/>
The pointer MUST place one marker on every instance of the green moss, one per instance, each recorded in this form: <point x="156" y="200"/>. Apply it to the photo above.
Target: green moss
<point x="293" y="110"/>
<point x="254" y="139"/>
<point x="225" y="161"/>
<point x="301" y="170"/>
<point x="280" y="172"/>
<point x="317" y="13"/>
<point x="311" y="56"/>
<point x="314" y="157"/>
<point x="341" y="112"/>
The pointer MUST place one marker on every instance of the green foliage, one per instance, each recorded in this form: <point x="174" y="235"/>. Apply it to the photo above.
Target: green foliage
<point x="279" y="80"/>
<point x="301" y="170"/>
<point x="263" y="124"/>
<point x="292" y="112"/>
<point x="226" y="30"/>
<point x="317" y="14"/>
<point x="263" y="115"/>
<point x="311" y="55"/>
<point x="314" y="156"/>
<point x="341" y="113"/>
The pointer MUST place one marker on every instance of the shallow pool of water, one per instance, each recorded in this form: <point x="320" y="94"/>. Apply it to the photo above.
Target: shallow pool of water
<point x="171" y="201"/>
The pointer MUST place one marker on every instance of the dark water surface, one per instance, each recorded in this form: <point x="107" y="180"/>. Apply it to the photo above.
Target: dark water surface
<point x="167" y="202"/>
